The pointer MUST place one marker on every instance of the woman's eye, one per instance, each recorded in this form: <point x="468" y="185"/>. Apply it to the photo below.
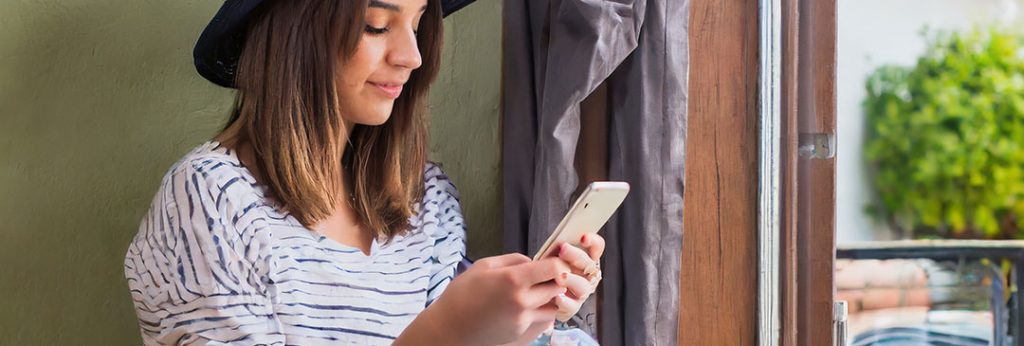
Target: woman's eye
<point x="375" y="31"/>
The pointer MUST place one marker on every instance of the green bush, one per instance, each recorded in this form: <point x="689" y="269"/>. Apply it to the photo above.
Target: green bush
<point x="945" y="138"/>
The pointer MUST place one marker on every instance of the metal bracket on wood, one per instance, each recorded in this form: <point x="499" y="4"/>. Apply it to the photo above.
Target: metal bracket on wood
<point x="839" y="319"/>
<point x="820" y="146"/>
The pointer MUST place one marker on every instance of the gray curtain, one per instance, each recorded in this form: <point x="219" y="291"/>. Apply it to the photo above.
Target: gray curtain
<point x="556" y="52"/>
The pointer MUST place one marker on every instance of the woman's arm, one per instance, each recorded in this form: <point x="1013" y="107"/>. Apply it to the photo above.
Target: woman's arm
<point x="441" y="218"/>
<point x="429" y="326"/>
<point x="495" y="302"/>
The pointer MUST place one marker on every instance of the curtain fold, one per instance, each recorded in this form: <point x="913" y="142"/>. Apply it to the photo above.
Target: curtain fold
<point x="556" y="52"/>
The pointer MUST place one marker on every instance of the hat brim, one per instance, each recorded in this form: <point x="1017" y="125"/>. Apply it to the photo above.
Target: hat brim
<point x="219" y="46"/>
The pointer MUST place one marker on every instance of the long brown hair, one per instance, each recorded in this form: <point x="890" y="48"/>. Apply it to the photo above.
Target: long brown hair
<point x="287" y="109"/>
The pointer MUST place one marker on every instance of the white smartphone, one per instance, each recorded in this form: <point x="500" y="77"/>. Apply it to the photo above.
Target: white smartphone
<point x="590" y="211"/>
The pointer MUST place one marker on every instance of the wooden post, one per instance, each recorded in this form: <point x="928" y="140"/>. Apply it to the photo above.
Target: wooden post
<point x="718" y="275"/>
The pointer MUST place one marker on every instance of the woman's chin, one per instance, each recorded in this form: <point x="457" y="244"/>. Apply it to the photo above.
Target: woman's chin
<point x="374" y="115"/>
<point x="377" y="123"/>
<point x="373" y="120"/>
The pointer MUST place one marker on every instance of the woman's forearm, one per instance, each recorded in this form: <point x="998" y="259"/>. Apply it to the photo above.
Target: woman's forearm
<point x="430" y="328"/>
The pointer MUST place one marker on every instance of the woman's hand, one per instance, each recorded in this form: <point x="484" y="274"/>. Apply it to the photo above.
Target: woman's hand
<point x="497" y="300"/>
<point x="585" y="275"/>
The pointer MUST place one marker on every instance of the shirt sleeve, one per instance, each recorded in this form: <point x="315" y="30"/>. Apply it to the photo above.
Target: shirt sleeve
<point x="443" y="222"/>
<point x="194" y="273"/>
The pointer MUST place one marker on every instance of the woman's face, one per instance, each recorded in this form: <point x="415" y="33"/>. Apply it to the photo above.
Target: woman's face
<point x="371" y="80"/>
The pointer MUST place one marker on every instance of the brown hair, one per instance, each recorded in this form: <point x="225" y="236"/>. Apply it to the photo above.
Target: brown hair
<point x="288" y="109"/>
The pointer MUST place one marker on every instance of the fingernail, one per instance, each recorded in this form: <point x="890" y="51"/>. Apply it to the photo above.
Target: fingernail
<point x="565" y="276"/>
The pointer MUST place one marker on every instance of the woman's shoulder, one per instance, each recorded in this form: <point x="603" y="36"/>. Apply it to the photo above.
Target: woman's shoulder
<point x="437" y="186"/>
<point x="212" y="177"/>
<point x="440" y="218"/>
<point x="440" y="209"/>
<point x="212" y="166"/>
<point x="203" y="193"/>
<point x="208" y="159"/>
<point x="198" y="219"/>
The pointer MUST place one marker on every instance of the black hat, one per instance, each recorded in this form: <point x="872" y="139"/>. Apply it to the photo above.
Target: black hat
<point x="216" y="53"/>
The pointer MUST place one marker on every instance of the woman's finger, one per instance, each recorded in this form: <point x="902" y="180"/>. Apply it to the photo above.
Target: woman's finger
<point x="594" y="244"/>
<point x="566" y="307"/>
<point x="578" y="286"/>
<point x="505" y="260"/>
<point x="541" y="294"/>
<point x="553" y="251"/>
<point x="547" y="311"/>
<point x="542" y="270"/>
<point x="575" y="256"/>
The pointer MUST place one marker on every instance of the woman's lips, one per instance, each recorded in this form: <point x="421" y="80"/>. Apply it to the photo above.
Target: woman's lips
<point x="389" y="90"/>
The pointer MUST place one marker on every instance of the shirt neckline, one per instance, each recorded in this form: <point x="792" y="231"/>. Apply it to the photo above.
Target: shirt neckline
<point x="215" y="146"/>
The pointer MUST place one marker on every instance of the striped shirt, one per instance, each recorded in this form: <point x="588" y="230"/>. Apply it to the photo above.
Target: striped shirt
<point x="216" y="262"/>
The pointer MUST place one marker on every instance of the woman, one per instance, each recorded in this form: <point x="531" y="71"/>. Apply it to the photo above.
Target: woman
<point x="314" y="217"/>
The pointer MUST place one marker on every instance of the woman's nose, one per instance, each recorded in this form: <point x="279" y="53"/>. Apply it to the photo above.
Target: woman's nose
<point x="405" y="52"/>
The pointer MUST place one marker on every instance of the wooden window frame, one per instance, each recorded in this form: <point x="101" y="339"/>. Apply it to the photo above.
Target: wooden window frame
<point x="720" y="300"/>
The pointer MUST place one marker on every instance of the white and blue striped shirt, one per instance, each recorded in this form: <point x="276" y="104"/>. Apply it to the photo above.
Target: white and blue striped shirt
<point x="216" y="262"/>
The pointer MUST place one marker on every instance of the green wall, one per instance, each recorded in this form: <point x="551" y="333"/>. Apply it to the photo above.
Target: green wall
<point x="99" y="97"/>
